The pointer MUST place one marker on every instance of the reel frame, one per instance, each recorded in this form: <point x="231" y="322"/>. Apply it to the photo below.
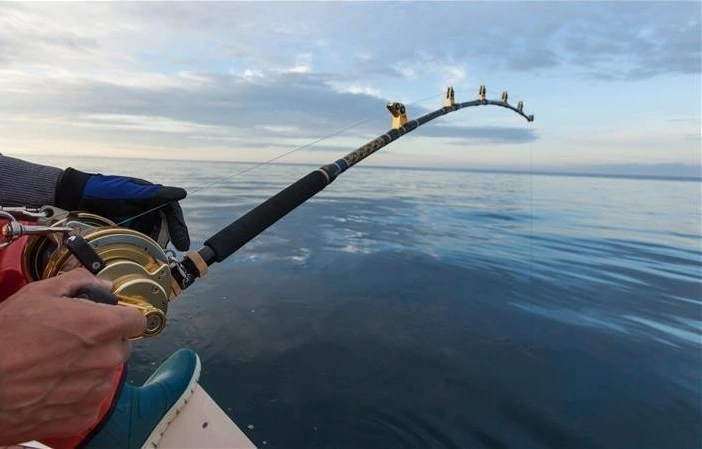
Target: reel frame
<point x="138" y="267"/>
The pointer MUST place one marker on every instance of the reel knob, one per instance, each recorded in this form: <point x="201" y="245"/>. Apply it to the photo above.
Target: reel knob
<point x="155" y="322"/>
<point x="155" y="318"/>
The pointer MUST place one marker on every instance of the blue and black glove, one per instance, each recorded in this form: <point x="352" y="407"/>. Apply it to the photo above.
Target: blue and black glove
<point x="120" y="198"/>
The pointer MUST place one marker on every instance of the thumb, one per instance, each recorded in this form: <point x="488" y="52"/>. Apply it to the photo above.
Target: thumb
<point x="177" y="229"/>
<point x="168" y="194"/>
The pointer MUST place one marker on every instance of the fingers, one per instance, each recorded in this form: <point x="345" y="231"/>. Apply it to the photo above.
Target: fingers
<point x="168" y="194"/>
<point x="95" y="324"/>
<point x="176" y="226"/>
<point x="69" y="283"/>
<point x="175" y="220"/>
<point x="107" y="321"/>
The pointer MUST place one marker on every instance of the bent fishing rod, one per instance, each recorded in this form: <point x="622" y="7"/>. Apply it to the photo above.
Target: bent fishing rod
<point x="231" y="238"/>
<point x="146" y="276"/>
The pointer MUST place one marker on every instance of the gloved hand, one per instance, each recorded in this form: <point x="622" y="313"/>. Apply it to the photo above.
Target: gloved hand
<point x="120" y="198"/>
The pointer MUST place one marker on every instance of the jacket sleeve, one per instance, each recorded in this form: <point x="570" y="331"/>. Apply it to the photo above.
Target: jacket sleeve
<point x="23" y="183"/>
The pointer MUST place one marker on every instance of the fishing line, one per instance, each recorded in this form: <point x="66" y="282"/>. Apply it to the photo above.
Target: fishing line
<point x="260" y="164"/>
<point x="302" y="147"/>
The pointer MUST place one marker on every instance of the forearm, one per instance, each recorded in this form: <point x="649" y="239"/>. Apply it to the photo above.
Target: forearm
<point x="23" y="183"/>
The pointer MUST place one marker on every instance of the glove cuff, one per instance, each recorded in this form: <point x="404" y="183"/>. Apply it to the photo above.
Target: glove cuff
<point x="69" y="189"/>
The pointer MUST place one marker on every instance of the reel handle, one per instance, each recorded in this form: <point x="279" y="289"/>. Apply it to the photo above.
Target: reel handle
<point x="97" y="295"/>
<point x="155" y="318"/>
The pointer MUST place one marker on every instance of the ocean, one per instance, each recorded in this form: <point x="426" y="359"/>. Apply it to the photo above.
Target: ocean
<point x="405" y="308"/>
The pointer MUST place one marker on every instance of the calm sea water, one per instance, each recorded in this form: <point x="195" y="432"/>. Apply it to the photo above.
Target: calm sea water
<point x="409" y="308"/>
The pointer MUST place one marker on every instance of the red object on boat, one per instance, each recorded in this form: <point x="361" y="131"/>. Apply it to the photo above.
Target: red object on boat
<point x="11" y="275"/>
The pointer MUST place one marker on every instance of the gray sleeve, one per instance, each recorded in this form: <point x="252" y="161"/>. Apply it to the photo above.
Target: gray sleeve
<point x="26" y="184"/>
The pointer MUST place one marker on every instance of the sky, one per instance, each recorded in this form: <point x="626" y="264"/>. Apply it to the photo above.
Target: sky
<point x="612" y="85"/>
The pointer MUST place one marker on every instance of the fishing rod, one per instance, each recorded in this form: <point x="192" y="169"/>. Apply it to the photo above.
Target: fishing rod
<point x="146" y="276"/>
<point x="237" y="234"/>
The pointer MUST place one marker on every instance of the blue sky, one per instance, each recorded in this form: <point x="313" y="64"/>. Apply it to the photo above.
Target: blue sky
<point x="610" y="83"/>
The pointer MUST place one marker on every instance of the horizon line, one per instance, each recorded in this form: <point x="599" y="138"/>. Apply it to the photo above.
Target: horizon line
<point x="555" y="171"/>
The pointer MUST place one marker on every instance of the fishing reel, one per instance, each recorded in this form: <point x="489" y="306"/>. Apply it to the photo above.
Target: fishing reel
<point x="138" y="267"/>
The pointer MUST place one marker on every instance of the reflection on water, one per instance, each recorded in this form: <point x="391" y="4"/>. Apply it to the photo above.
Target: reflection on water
<point x="407" y="308"/>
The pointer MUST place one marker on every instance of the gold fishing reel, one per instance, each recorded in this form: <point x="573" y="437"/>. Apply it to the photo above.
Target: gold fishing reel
<point x="137" y="265"/>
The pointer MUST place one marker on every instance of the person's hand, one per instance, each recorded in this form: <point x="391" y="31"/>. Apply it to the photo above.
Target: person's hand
<point x="58" y="355"/>
<point x="120" y="198"/>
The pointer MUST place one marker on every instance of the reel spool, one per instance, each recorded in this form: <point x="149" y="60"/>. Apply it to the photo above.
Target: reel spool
<point x="137" y="266"/>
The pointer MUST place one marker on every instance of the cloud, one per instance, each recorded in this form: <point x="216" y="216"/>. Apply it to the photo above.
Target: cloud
<point x="635" y="40"/>
<point x="205" y="109"/>
<point x="250" y="74"/>
<point x="246" y="75"/>
<point x="275" y="111"/>
<point x="598" y="39"/>
<point x="298" y="69"/>
<point x="365" y="90"/>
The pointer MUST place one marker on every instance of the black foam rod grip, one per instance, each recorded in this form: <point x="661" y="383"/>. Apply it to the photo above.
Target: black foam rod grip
<point x="97" y="295"/>
<point x="239" y="233"/>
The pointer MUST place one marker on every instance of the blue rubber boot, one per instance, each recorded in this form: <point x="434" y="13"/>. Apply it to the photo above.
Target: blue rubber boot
<point x="141" y="414"/>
